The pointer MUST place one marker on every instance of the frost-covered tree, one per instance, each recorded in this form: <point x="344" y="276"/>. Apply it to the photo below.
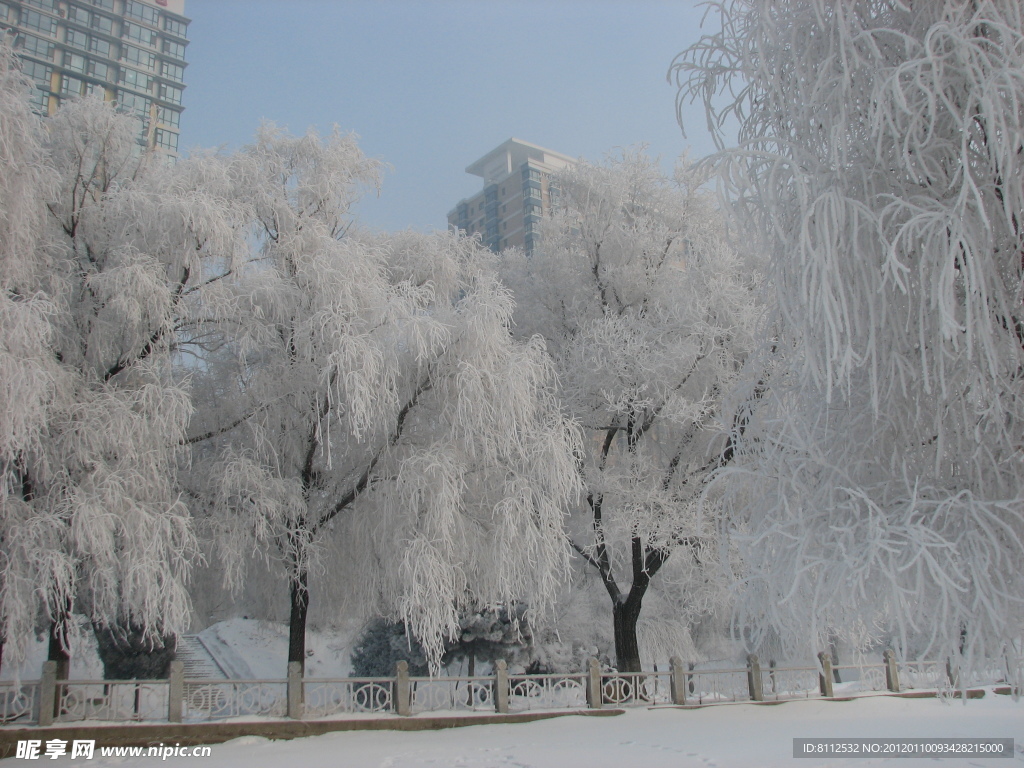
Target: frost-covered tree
<point x="375" y="416"/>
<point x="95" y="414"/>
<point x="648" y="312"/>
<point x="880" y="162"/>
<point x="28" y="371"/>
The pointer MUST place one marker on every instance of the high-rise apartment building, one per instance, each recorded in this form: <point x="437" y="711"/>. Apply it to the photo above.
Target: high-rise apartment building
<point x="518" y="190"/>
<point x="131" y="51"/>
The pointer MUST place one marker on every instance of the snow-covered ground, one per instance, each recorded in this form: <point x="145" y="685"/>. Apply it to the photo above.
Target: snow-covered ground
<point x="723" y="736"/>
<point x="244" y="648"/>
<point x="250" y="649"/>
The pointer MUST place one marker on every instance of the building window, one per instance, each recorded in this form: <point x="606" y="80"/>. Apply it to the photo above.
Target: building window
<point x="49" y="5"/>
<point x="99" y="70"/>
<point x="102" y="47"/>
<point x="166" y="140"/>
<point x="74" y="61"/>
<point x="139" y="34"/>
<point x="102" y="24"/>
<point x="79" y="40"/>
<point x="132" y="102"/>
<point x="143" y="13"/>
<point x="169" y="93"/>
<point x="5" y="12"/>
<point x="70" y="86"/>
<point x="37" y="73"/>
<point x="107" y="5"/>
<point x="174" y="27"/>
<point x="134" y="79"/>
<point x="138" y="57"/>
<point x="169" y="116"/>
<point x="36" y="20"/>
<point x="40" y="101"/>
<point x="36" y="45"/>
<point x="78" y="15"/>
<point x="172" y="71"/>
<point x="174" y="49"/>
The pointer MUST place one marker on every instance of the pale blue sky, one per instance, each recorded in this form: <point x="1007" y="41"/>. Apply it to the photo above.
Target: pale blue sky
<point x="432" y="85"/>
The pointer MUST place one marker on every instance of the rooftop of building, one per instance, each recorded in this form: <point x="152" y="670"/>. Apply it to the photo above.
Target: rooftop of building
<point x="501" y="160"/>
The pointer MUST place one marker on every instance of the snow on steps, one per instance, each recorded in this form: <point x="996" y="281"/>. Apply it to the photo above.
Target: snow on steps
<point x="199" y="663"/>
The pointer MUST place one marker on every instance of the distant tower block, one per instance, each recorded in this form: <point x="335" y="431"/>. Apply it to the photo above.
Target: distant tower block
<point x="132" y="52"/>
<point x="518" y="190"/>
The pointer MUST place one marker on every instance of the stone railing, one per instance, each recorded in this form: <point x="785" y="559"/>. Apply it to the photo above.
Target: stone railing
<point x="177" y="699"/>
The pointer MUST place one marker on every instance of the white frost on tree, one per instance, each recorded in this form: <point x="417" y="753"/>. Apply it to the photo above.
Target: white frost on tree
<point x="648" y="312"/>
<point x="107" y="254"/>
<point x="28" y="372"/>
<point x="374" y="416"/>
<point x="880" y="158"/>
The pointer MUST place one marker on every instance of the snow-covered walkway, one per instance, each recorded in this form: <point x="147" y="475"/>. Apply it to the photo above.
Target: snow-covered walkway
<point x="724" y="736"/>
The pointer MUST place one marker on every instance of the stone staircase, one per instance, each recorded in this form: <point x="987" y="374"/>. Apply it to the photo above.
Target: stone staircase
<point x="197" y="659"/>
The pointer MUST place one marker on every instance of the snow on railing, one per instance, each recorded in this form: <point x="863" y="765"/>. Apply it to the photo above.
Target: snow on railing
<point x="441" y="694"/>
<point x="547" y="691"/>
<point x="860" y="677"/>
<point x="118" y="700"/>
<point x="178" y="699"/>
<point x="205" y="700"/>
<point x="18" y="702"/>
<point x="711" y="686"/>
<point x="792" y="682"/>
<point x="636" y="688"/>
<point x="324" y="698"/>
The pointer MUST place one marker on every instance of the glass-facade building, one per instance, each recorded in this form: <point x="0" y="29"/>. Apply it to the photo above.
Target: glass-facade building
<point x="519" y="189"/>
<point x="130" y="51"/>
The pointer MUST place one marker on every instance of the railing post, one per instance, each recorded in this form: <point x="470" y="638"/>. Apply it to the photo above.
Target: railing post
<point x="501" y="686"/>
<point x="952" y="673"/>
<point x="175" y="691"/>
<point x="754" y="678"/>
<point x="403" y="689"/>
<point x="295" y="690"/>
<point x="677" y="680"/>
<point x="892" y="674"/>
<point x="825" y="675"/>
<point x="594" y="698"/>
<point x="48" y="693"/>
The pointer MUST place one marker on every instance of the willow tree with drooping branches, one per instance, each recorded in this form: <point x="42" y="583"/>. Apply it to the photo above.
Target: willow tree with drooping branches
<point x="375" y="430"/>
<point x="880" y="162"/>
<point x="107" y="259"/>
<point x="648" y="310"/>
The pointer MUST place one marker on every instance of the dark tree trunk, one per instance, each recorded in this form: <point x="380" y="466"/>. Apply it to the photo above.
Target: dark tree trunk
<point x="627" y="651"/>
<point x="297" y="619"/>
<point x="59" y="648"/>
<point x="60" y="651"/>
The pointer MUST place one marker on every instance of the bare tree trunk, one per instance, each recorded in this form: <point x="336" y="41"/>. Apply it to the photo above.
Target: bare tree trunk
<point x="59" y="647"/>
<point x="297" y="618"/>
<point x="627" y="651"/>
<point x="60" y="651"/>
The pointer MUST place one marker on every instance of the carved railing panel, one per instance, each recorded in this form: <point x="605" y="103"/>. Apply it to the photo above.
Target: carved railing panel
<point x="219" y="699"/>
<point x="546" y="691"/>
<point x="116" y="700"/>
<point x="437" y="694"/>
<point x="708" y="686"/>
<point x="18" y="703"/>
<point x="345" y="695"/>
<point x="790" y="682"/>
